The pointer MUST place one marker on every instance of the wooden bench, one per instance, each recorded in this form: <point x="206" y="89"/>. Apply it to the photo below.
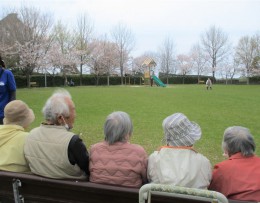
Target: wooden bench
<point x="34" y="84"/>
<point x="27" y="188"/>
<point x="201" y="82"/>
<point x="39" y="189"/>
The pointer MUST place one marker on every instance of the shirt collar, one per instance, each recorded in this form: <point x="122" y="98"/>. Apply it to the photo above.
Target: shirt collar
<point x="178" y="147"/>
<point x="238" y="156"/>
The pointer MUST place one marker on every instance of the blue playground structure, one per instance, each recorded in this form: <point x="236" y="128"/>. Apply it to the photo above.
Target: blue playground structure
<point x="158" y="82"/>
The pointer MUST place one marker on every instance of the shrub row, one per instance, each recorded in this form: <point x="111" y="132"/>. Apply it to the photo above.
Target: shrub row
<point x="187" y="79"/>
<point x="59" y="81"/>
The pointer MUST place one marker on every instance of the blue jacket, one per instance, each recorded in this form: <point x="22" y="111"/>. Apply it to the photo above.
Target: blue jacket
<point x="7" y="85"/>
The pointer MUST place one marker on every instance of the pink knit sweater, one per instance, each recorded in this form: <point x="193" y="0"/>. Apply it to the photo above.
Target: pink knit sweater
<point x="122" y="164"/>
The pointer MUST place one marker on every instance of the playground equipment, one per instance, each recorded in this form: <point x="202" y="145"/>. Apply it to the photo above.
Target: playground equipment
<point x="149" y="76"/>
<point x="158" y="82"/>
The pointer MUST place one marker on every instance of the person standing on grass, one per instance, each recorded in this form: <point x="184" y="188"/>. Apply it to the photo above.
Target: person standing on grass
<point x="52" y="150"/>
<point x="209" y="84"/>
<point x="115" y="160"/>
<point x="238" y="177"/>
<point x="178" y="163"/>
<point x="151" y="80"/>
<point x="7" y="88"/>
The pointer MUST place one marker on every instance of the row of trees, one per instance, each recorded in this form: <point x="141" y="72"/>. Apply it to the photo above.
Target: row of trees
<point x="212" y="53"/>
<point x="31" y="42"/>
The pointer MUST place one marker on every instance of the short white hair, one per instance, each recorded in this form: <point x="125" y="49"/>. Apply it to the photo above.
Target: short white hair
<point x="57" y="105"/>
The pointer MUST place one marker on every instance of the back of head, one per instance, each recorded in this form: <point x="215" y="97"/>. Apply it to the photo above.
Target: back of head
<point x="57" y="105"/>
<point x="238" y="139"/>
<point x="17" y="112"/>
<point x="118" y="127"/>
<point x="180" y="131"/>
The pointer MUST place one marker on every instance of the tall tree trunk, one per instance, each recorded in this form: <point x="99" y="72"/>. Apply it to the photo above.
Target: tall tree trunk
<point x="108" y="79"/>
<point x="80" y="76"/>
<point x="28" y="79"/>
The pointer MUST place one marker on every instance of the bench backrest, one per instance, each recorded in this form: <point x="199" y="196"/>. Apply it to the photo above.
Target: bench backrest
<point x="38" y="189"/>
<point x="32" y="188"/>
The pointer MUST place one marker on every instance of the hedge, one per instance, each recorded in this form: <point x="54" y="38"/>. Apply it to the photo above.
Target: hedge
<point x="59" y="81"/>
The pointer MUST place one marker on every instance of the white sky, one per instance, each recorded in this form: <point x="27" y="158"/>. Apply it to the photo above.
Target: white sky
<point x="151" y="21"/>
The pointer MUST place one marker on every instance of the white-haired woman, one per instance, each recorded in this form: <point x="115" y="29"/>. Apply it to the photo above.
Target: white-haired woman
<point x="51" y="149"/>
<point x="238" y="177"/>
<point x="115" y="161"/>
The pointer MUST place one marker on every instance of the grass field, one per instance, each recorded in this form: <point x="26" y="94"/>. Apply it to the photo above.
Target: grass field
<point x="213" y="110"/>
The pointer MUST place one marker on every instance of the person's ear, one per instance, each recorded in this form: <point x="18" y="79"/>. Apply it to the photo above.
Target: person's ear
<point x="127" y="137"/>
<point x="60" y="119"/>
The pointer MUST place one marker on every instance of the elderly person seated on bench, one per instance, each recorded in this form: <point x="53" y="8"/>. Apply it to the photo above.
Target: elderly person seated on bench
<point x="238" y="177"/>
<point x="51" y="149"/>
<point x="115" y="161"/>
<point x="18" y="117"/>
<point x="178" y="163"/>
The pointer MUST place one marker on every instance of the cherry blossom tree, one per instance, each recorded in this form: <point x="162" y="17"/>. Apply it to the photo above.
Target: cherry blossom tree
<point x="29" y="41"/>
<point x="109" y="58"/>
<point x="137" y="62"/>
<point x="104" y="58"/>
<point x="63" y="55"/>
<point x="184" y="64"/>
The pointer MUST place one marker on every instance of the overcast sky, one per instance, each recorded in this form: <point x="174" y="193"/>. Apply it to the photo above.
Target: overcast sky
<point x="151" y="21"/>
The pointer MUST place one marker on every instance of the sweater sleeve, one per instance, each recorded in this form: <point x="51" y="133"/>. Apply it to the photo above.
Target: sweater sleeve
<point x="78" y="154"/>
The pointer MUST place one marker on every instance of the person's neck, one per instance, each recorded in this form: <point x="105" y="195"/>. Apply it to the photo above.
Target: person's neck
<point x="179" y="147"/>
<point x="49" y="123"/>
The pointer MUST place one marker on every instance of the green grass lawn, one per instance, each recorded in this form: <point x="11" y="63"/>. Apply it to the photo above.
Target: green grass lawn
<point x="214" y="111"/>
